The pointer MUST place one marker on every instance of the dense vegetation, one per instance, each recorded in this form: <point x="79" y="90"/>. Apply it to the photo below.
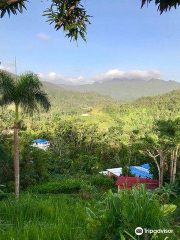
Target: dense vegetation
<point x="69" y="217"/>
<point x="89" y="133"/>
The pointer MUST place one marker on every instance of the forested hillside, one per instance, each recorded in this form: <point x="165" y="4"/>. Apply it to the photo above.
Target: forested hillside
<point x="89" y="133"/>
<point x="71" y="101"/>
<point x="93" y="108"/>
<point x="127" y="89"/>
<point x="92" y="126"/>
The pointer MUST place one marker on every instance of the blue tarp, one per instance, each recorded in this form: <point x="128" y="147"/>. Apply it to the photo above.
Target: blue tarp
<point x="146" y="166"/>
<point x="141" y="172"/>
<point x="40" y="141"/>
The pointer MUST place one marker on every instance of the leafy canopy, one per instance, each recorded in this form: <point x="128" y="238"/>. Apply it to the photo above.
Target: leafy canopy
<point x="11" y="6"/>
<point x="24" y="91"/>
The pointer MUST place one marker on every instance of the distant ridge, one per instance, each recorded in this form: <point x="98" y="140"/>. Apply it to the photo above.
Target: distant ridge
<point x="72" y="101"/>
<point x="121" y="89"/>
<point x="127" y="89"/>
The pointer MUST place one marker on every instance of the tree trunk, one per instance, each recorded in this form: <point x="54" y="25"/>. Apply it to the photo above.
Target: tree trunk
<point x="174" y="157"/>
<point x="175" y="164"/>
<point x="16" y="153"/>
<point x="172" y="165"/>
<point x="10" y="1"/>
<point x="161" y="171"/>
<point x="160" y="166"/>
<point x="157" y="164"/>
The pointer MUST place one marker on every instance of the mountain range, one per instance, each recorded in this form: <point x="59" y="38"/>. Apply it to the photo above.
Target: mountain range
<point x="121" y="89"/>
<point x="73" y="102"/>
<point x="126" y="89"/>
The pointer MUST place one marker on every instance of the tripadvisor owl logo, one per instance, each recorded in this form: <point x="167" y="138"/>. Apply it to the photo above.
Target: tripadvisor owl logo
<point x="139" y="231"/>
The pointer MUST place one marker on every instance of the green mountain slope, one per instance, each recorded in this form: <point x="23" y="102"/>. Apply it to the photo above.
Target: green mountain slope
<point x="137" y="115"/>
<point x="141" y="113"/>
<point x="127" y="90"/>
<point x="105" y="112"/>
<point x="71" y="101"/>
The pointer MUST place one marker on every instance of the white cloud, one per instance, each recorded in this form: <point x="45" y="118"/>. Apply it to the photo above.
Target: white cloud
<point x="146" y="75"/>
<point x="2" y="67"/>
<point x="7" y="66"/>
<point x="43" y="37"/>
<point x="61" y="79"/>
<point x="111" y="74"/>
<point x="40" y="75"/>
<point x="52" y="74"/>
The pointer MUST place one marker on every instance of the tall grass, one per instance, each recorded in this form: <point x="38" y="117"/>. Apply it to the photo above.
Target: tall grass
<point x="64" y="217"/>
<point x="44" y="218"/>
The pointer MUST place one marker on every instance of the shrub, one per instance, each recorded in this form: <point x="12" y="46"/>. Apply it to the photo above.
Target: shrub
<point x="34" y="167"/>
<point x="66" y="186"/>
<point x="101" y="181"/>
<point x="168" y="192"/>
<point x="87" y="185"/>
<point x="87" y="190"/>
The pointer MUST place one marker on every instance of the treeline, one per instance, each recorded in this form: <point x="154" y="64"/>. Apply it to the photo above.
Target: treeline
<point x="113" y="135"/>
<point x="78" y="148"/>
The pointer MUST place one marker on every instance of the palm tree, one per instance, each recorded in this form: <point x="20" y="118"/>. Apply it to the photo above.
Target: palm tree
<point x="24" y="93"/>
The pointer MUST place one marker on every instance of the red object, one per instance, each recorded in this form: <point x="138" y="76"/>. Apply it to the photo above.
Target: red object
<point x="129" y="182"/>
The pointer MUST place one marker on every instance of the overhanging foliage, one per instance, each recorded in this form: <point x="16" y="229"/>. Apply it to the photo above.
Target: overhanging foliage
<point x="71" y="15"/>
<point x="163" y="5"/>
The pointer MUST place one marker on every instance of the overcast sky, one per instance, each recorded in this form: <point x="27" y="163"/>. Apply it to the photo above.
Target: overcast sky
<point x="123" y="41"/>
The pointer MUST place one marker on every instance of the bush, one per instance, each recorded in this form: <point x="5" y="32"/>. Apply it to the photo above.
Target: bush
<point x="66" y="186"/>
<point x="34" y="167"/>
<point x="87" y="185"/>
<point x="102" y="182"/>
<point x="168" y="192"/>
<point x="87" y="190"/>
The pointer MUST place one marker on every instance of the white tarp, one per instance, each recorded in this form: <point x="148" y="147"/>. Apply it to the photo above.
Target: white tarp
<point x="115" y="171"/>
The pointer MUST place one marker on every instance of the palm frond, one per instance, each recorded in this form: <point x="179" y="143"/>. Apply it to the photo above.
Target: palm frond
<point x="29" y="94"/>
<point x="42" y="99"/>
<point x="7" y="88"/>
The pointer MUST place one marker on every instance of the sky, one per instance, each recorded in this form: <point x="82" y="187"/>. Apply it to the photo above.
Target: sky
<point x="123" y="40"/>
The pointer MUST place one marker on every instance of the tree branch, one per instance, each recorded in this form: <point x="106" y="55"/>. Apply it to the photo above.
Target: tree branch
<point x="10" y="1"/>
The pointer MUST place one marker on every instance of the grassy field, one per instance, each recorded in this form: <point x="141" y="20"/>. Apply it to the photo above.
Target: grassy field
<point x="52" y="217"/>
<point x="66" y="217"/>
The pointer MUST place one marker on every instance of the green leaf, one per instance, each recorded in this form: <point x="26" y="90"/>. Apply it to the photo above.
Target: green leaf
<point x="168" y="209"/>
<point x="122" y="237"/>
<point x="2" y="13"/>
<point x="91" y="214"/>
